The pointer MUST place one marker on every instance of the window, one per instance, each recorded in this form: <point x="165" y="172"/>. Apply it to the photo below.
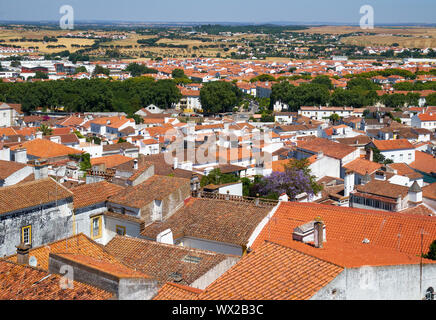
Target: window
<point x="121" y="230"/>
<point x="26" y="235"/>
<point x="96" y="227"/>
<point x="191" y="259"/>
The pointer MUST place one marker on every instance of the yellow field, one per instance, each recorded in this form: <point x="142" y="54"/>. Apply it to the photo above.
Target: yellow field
<point x="42" y="46"/>
<point x="136" y="49"/>
<point x="411" y="37"/>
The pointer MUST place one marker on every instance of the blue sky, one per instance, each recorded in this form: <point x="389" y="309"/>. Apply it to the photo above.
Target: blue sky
<point x="309" y="11"/>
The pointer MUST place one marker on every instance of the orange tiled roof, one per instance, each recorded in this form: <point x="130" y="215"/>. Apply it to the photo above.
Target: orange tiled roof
<point x="328" y="147"/>
<point x="362" y="166"/>
<point x="424" y="162"/>
<point x="79" y="244"/>
<point x="111" y="161"/>
<point x="92" y="193"/>
<point x="174" y="291"/>
<point x="429" y="191"/>
<point x="395" y="238"/>
<point x="397" y="144"/>
<point x="30" y="194"/>
<point x="273" y="272"/>
<point x="42" y="148"/>
<point x="114" y="268"/>
<point x="18" y="282"/>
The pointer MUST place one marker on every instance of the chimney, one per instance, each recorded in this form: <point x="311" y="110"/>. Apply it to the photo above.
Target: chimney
<point x="256" y="201"/>
<point x="284" y="197"/>
<point x="135" y="164"/>
<point x="228" y="195"/>
<point x="175" y="162"/>
<point x="380" y="175"/>
<point x="318" y="227"/>
<point x="40" y="169"/>
<point x="23" y="254"/>
<point x="415" y="193"/>
<point x="348" y="183"/>
<point x="365" y="179"/>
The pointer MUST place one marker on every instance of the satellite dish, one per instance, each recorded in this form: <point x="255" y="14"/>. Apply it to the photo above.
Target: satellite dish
<point x="33" y="262"/>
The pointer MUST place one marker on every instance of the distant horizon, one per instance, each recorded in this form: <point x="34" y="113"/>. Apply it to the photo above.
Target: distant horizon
<point x="332" y="12"/>
<point x="228" y="23"/>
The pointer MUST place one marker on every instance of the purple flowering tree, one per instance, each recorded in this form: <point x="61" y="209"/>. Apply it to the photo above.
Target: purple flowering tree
<point x="291" y="181"/>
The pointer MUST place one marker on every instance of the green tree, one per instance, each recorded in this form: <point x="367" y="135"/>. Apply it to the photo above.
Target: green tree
<point x="216" y="177"/>
<point x="80" y="70"/>
<point x="46" y="130"/>
<point x="40" y="75"/>
<point x="323" y="80"/>
<point x="334" y="118"/>
<point x="137" y="70"/>
<point x="121" y="140"/>
<point x="431" y="254"/>
<point x="219" y="97"/>
<point x="263" y="78"/>
<point x="378" y="157"/>
<point x="100" y="70"/>
<point x="362" y="83"/>
<point x="178" y="73"/>
<point x="85" y="163"/>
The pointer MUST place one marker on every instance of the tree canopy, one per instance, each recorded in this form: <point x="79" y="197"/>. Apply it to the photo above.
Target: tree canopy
<point x="94" y="95"/>
<point x="219" y="97"/>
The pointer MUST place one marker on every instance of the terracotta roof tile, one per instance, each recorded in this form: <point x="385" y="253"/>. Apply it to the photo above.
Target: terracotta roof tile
<point x="78" y="244"/>
<point x="429" y="191"/>
<point x="384" y="145"/>
<point x="154" y="188"/>
<point x="174" y="291"/>
<point x="328" y="147"/>
<point x="30" y="194"/>
<point x="42" y="148"/>
<point x="362" y="166"/>
<point x="160" y="260"/>
<point x="18" y="282"/>
<point x="273" y="272"/>
<point x="111" y="161"/>
<point x="92" y="193"/>
<point x="9" y="167"/>
<point x="233" y="223"/>
<point x="394" y="238"/>
<point x="424" y="162"/>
